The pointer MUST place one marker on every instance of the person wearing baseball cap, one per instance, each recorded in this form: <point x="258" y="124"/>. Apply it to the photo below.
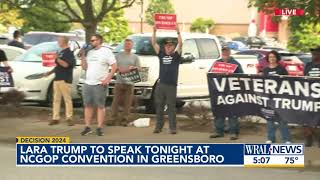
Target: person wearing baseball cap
<point x="166" y="89"/>
<point x="219" y="122"/>
<point x="312" y="69"/>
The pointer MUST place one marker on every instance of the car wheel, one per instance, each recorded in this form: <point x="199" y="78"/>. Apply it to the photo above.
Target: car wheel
<point x="150" y="106"/>
<point x="49" y="100"/>
<point x="180" y="104"/>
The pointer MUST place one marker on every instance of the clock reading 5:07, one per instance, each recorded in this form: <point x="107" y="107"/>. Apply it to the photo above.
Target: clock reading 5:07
<point x="261" y="160"/>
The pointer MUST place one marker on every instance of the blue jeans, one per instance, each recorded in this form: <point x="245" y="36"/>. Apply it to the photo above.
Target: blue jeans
<point x="233" y="125"/>
<point x="284" y="130"/>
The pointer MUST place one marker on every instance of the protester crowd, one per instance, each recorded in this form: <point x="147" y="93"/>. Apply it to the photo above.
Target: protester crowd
<point x="96" y="60"/>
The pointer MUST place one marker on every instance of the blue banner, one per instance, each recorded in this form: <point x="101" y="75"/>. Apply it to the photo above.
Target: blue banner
<point x="130" y="154"/>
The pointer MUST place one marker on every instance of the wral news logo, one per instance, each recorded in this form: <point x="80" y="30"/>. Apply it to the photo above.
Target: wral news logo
<point x="289" y="12"/>
<point x="274" y="149"/>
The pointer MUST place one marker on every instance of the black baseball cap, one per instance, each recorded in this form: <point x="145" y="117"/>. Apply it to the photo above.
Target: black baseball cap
<point x="169" y="41"/>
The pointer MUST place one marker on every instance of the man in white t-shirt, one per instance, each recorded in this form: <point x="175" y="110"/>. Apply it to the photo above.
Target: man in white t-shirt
<point x="94" y="91"/>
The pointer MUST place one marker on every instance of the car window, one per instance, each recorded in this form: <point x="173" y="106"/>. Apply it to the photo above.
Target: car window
<point x="142" y="45"/>
<point x="244" y="52"/>
<point x="35" y="39"/>
<point x="77" y="38"/>
<point x="244" y="57"/>
<point x="208" y="49"/>
<point x="34" y="54"/>
<point x="32" y="39"/>
<point x="11" y="54"/>
<point x="258" y="55"/>
<point x="254" y="39"/>
<point x="190" y="47"/>
<point x="48" y="38"/>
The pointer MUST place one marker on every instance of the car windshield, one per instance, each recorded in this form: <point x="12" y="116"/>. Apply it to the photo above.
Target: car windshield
<point x="35" y="39"/>
<point x="142" y="45"/>
<point x="34" y="54"/>
<point x="287" y="54"/>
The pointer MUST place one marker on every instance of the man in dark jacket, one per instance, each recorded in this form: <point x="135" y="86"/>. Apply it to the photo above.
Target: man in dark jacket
<point x="227" y="58"/>
<point x="219" y="122"/>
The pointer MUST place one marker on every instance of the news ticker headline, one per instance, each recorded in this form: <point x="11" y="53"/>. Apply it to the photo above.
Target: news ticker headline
<point x="58" y="151"/>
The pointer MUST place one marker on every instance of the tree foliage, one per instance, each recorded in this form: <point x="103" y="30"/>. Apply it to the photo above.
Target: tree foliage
<point x="43" y="21"/>
<point x="114" y="27"/>
<point x="9" y="18"/>
<point x="86" y="12"/>
<point x="311" y="7"/>
<point x="307" y="37"/>
<point x="303" y="28"/>
<point x="201" y="25"/>
<point x="158" y="6"/>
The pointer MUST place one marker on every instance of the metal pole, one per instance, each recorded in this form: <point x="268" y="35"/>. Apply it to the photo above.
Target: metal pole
<point x="141" y="16"/>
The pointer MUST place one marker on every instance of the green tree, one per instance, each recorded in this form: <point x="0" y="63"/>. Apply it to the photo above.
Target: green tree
<point x="89" y="13"/>
<point x="158" y="6"/>
<point x="9" y="18"/>
<point x="201" y="25"/>
<point x="307" y="37"/>
<point x="114" y="27"/>
<point x="311" y="7"/>
<point x="43" y="20"/>
<point x="300" y="38"/>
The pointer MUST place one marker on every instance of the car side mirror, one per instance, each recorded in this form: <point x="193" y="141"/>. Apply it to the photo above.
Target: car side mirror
<point x="187" y="58"/>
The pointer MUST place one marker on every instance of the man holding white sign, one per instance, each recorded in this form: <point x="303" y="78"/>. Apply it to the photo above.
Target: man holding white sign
<point x="233" y="121"/>
<point x="166" y="90"/>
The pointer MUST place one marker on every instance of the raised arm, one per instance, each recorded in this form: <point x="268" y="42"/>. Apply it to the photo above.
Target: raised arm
<point x="154" y="43"/>
<point x="179" y="45"/>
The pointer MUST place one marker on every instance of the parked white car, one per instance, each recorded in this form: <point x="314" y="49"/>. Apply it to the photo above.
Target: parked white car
<point x="12" y="52"/>
<point x="33" y="38"/>
<point x="249" y="63"/>
<point x="30" y="63"/>
<point x="199" y="52"/>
